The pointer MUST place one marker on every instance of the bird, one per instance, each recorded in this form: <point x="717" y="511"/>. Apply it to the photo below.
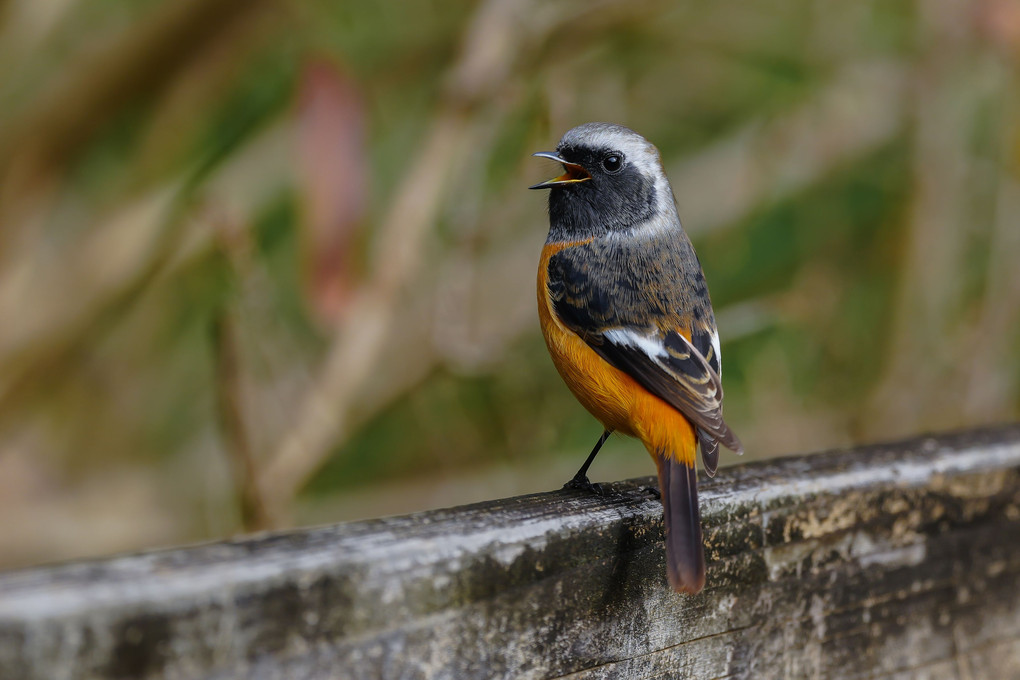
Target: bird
<point x="625" y="311"/>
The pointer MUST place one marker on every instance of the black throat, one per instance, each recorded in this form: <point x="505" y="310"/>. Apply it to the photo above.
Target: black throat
<point x="604" y="204"/>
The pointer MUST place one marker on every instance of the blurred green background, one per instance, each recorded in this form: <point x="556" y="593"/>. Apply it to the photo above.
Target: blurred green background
<point x="266" y="263"/>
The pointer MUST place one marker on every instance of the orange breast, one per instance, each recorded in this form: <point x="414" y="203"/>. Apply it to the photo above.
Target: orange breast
<point x="609" y="394"/>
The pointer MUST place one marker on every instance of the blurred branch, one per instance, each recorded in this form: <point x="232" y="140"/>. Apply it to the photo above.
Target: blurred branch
<point x="182" y="110"/>
<point x="24" y="24"/>
<point x="930" y="292"/>
<point x="108" y="268"/>
<point x="989" y="374"/>
<point x="230" y="388"/>
<point x="501" y="34"/>
<point x="862" y="108"/>
<point x="118" y="255"/>
<point x="114" y="261"/>
<point x="230" y="410"/>
<point x="372" y="314"/>
<point x="98" y="85"/>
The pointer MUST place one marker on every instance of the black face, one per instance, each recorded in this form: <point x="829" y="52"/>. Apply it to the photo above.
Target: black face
<point x="616" y="197"/>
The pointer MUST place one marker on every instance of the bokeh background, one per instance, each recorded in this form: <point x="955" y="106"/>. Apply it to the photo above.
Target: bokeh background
<point x="267" y="262"/>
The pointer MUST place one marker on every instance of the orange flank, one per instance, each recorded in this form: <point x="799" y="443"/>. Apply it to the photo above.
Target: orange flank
<point x="609" y="394"/>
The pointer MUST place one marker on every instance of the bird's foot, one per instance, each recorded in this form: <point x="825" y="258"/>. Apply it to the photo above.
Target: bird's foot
<point x="653" y="492"/>
<point x="582" y="483"/>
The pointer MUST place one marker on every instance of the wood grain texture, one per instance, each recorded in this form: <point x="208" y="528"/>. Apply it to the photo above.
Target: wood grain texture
<point x="891" y="561"/>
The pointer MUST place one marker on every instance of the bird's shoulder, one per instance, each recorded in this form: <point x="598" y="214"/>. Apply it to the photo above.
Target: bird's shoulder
<point x="609" y="282"/>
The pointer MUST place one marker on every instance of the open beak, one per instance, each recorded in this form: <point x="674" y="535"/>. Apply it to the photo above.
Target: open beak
<point x="574" y="172"/>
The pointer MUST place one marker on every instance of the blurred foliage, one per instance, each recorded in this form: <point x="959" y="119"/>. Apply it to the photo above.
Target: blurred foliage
<point x="201" y="334"/>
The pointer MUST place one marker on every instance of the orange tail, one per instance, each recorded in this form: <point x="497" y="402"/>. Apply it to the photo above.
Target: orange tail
<point x="685" y="556"/>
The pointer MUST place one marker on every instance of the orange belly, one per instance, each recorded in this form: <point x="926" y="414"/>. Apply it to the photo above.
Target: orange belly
<point x="609" y="394"/>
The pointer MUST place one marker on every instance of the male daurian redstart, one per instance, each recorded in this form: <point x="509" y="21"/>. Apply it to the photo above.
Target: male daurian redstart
<point x="627" y="318"/>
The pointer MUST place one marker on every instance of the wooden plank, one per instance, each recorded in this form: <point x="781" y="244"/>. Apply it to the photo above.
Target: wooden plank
<point x="891" y="561"/>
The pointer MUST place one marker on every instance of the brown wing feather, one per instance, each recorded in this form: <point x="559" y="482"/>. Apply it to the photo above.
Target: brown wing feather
<point x="681" y="378"/>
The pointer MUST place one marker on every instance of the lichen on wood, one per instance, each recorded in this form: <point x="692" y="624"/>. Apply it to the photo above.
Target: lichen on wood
<point x="897" y="561"/>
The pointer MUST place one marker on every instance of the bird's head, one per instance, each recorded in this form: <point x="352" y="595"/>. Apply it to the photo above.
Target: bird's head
<point x="613" y="180"/>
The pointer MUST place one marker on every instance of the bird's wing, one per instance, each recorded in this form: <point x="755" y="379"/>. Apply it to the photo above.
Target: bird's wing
<point x="644" y="340"/>
<point x="669" y="366"/>
<point x="706" y="340"/>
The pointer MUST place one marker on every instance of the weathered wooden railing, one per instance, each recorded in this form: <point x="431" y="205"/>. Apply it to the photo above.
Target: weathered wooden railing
<point x="900" y="561"/>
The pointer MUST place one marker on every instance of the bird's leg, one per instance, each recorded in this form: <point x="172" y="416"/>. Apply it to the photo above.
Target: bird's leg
<point x="580" y="480"/>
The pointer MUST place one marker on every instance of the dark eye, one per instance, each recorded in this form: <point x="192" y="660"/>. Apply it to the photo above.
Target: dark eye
<point x="612" y="163"/>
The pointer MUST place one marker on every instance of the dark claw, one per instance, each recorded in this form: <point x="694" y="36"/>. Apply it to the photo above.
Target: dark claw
<point x="655" y="493"/>
<point x="582" y="483"/>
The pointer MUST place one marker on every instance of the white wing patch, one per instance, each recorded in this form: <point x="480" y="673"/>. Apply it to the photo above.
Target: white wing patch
<point x="718" y="350"/>
<point x="649" y="344"/>
<point x="673" y="369"/>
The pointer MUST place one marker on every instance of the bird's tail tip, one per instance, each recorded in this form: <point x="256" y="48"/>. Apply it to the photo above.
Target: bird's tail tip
<point x="685" y="555"/>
